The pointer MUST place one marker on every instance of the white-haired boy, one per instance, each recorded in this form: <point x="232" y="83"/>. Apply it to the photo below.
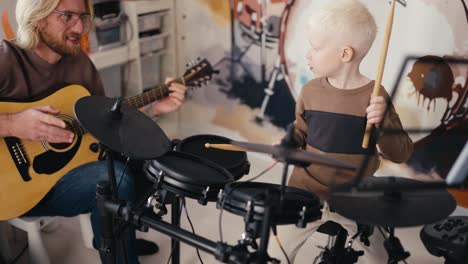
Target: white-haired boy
<point x="331" y="114"/>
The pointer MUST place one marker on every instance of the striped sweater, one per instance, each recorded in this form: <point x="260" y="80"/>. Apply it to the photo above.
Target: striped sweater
<point x="332" y="121"/>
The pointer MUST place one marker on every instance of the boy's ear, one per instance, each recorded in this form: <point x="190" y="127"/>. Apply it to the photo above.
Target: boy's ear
<point x="347" y="54"/>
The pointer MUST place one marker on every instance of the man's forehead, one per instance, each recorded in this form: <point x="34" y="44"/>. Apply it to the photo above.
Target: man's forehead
<point x="77" y="6"/>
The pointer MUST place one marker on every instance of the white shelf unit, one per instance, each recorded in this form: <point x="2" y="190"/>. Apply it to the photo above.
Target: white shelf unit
<point x="150" y="6"/>
<point x="130" y="56"/>
<point x="115" y="56"/>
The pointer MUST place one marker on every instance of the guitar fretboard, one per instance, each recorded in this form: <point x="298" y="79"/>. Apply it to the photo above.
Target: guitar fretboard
<point x="151" y="95"/>
<point x="141" y="100"/>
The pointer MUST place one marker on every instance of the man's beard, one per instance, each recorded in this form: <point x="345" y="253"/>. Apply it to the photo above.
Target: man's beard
<point x="58" y="44"/>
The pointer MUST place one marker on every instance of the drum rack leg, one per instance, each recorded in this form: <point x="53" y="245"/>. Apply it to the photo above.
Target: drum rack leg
<point x="107" y="193"/>
<point x="107" y="244"/>
<point x="175" y="221"/>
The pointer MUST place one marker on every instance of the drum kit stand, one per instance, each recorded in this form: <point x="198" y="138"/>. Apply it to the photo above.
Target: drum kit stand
<point x="381" y="201"/>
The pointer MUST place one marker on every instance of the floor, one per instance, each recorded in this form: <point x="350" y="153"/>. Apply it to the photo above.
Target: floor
<point x="65" y="244"/>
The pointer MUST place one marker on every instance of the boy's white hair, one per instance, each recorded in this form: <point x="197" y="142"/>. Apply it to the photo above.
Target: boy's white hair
<point x="350" y="21"/>
<point x="28" y="15"/>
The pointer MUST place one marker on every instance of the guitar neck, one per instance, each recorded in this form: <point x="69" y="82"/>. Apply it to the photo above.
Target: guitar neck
<point x="156" y="93"/>
<point x="136" y="101"/>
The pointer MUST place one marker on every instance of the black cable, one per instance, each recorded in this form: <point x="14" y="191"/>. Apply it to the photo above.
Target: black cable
<point x="191" y="226"/>
<point x="170" y="256"/>
<point x="173" y="247"/>
<point x="466" y="9"/>
<point x="123" y="173"/>
<point x="15" y="259"/>
<point x="230" y="191"/>
<point x="275" y="234"/>
<point x="381" y="232"/>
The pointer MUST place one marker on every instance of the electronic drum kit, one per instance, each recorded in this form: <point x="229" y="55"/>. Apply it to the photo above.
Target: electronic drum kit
<point x="190" y="169"/>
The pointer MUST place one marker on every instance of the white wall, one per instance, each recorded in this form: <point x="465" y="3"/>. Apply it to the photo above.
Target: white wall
<point x="8" y="6"/>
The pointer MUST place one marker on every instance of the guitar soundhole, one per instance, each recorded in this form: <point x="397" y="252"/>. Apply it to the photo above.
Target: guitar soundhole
<point x="61" y="146"/>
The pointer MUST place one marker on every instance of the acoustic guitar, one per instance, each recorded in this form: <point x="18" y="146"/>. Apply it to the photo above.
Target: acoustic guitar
<point x="29" y="169"/>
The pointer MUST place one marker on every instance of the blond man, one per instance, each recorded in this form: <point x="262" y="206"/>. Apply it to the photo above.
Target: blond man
<point x="46" y="57"/>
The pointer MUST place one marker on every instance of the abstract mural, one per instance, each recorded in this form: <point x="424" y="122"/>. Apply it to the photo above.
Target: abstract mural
<point x="263" y="69"/>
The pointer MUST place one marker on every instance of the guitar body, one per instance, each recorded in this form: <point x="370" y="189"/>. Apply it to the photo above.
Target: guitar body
<point x="29" y="169"/>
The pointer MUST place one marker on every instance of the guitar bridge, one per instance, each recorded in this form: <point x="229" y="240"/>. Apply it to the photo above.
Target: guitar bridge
<point x="18" y="156"/>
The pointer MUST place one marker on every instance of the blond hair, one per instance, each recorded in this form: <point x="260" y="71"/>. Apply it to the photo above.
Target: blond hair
<point x="28" y="15"/>
<point x="350" y="20"/>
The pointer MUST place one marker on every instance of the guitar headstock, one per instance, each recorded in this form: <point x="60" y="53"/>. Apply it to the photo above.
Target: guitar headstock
<point x="199" y="73"/>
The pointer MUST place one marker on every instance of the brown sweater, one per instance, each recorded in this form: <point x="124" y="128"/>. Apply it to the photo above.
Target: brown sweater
<point x="26" y="76"/>
<point x="332" y="121"/>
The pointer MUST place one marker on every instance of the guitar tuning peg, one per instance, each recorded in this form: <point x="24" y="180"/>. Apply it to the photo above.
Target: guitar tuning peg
<point x="198" y="59"/>
<point x="187" y="66"/>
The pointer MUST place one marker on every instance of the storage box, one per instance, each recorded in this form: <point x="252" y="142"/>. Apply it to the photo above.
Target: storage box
<point x="153" y="43"/>
<point x="151" y="22"/>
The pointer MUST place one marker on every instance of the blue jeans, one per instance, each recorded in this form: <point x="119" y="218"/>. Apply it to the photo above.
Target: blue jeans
<point x="75" y="194"/>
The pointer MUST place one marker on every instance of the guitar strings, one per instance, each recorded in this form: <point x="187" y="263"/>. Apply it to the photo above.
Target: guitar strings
<point x="26" y="146"/>
<point x="145" y="98"/>
<point x="159" y="91"/>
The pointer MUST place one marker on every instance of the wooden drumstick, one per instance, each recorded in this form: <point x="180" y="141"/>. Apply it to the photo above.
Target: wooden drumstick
<point x="225" y="147"/>
<point x="380" y="70"/>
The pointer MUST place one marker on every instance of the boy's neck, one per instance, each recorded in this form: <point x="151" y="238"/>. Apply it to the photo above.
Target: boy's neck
<point x="348" y="78"/>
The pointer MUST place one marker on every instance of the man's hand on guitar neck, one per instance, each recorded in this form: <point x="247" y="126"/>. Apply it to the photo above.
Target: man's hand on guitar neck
<point x="37" y="124"/>
<point x="169" y="104"/>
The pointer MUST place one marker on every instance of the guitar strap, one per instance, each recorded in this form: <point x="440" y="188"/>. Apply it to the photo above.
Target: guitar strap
<point x="22" y="68"/>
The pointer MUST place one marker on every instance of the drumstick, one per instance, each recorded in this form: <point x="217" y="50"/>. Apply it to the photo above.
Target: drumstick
<point x="225" y="147"/>
<point x="380" y="69"/>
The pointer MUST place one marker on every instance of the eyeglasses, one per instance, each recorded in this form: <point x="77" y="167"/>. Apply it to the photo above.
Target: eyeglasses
<point x="70" y="19"/>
